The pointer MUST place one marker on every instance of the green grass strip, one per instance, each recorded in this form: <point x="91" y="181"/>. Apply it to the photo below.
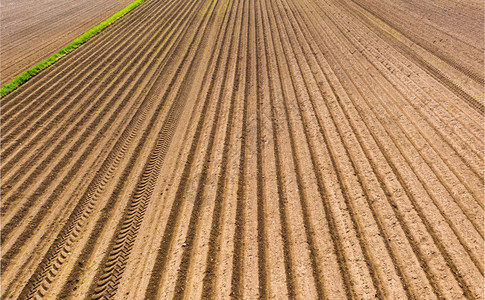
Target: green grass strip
<point x="19" y="80"/>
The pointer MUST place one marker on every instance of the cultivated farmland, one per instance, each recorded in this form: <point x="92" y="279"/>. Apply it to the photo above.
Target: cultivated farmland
<point x="252" y="149"/>
<point x="31" y="30"/>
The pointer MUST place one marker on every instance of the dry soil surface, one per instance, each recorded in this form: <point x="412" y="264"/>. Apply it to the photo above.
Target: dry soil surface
<point x="252" y="149"/>
<point x="32" y="30"/>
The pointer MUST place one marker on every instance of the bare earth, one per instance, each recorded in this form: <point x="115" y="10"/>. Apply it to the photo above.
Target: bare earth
<point x="252" y="149"/>
<point x="32" y="30"/>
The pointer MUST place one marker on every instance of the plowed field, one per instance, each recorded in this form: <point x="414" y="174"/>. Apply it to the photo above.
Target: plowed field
<point x="252" y="149"/>
<point x="32" y="30"/>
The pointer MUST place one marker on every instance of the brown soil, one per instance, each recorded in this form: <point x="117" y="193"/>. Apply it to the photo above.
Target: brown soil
<point x="250" y="149"/>
<point x="32" y="30"/>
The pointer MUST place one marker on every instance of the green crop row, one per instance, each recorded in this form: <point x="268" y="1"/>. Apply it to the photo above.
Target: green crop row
<point x="19" y="80"/>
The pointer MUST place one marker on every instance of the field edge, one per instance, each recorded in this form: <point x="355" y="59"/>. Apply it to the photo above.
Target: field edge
<point x="26" y="75"/>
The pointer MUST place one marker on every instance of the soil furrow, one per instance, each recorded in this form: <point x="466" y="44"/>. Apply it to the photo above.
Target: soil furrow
<point x="99" y="134"/>
<point x="407" y="231"/>
<point x="452" y="226"/>
<point x="433" y="235"/>
<point x="461" y="207"/>
<point x="55" y="74"/>
<point x="438" y="52"/>
<point x="87" y="203"/>
<point x="362" y="190"/>
<point x="215" y="239"/>
<point x="237" y="284"/>
<point x="103" y="96"/>
<point x="201" y="195"/>
<point x="245" y="149"/>
<point x="101" y="67"/>
<point x="130" y="222"/>
<point x="261" y="184"/>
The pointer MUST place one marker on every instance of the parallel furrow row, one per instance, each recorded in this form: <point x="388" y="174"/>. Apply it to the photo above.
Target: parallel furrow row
<point x="249" y="149"/>
<point x="114" y="265"/>
<point x="139" y="63"/>
<point x="59" y="250"/>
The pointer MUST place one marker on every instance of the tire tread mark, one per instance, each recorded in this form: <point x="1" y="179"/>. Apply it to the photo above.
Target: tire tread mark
<point x="115" y="261"/>
<point x="61" y="164"/>
<point x="88" y="201"/>
<point x="49" y="202"/>
<point x="69" y="101"/>
<point x="163" y="249"/>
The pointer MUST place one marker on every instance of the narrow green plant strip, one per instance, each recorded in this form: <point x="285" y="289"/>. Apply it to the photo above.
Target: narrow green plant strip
<point x="19" y="80"/>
